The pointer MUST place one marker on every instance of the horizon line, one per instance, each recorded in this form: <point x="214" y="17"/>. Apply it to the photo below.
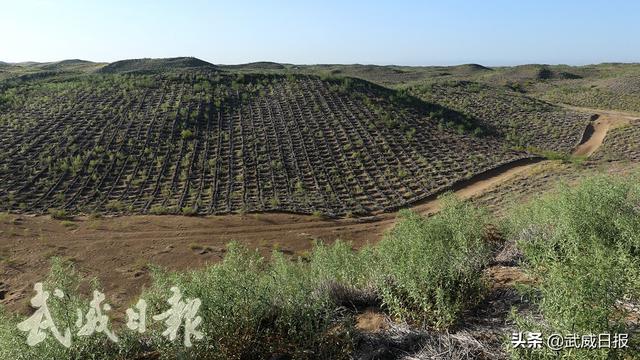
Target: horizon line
<point x="453" y="64"/>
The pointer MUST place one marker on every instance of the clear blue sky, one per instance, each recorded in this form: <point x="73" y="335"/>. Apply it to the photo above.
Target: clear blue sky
<point x="501" y="32"/>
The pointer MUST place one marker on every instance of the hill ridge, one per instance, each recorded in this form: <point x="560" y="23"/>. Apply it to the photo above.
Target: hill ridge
<point x="150" y="65"/>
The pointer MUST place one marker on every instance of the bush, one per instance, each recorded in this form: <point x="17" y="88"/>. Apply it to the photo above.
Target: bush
<point x="115" y="206"/>
<point x="8" y="99"/>
<point x="186" y="134"/>
<point x="252" y="309"/>
<point x="339" y="263"/>
<point x="582" y="245"/>
<point x="189" y="211"/>
<point x="58" y="214"/>
<point x="160" y="210"/>
<point x="430" y="268"/>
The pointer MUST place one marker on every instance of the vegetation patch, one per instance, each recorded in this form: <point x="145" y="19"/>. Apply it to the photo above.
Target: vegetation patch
<point x="219" y="143"/>
<point x="582" y="247"/>
<point x="305" y="309"/>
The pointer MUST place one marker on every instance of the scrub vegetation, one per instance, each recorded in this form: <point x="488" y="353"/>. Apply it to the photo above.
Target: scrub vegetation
<point x="580" y="244"/>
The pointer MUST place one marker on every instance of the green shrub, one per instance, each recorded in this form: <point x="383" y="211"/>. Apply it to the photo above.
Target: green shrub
<point x="189" y="211"/>
<point x="555" y="155"/>
<point x="115" y="205"/>
<point x="58" y="214"/>
<point x="186" y="134"/>
<point x="582" y="245"/>
<point x="430" y="268"/>
<point x="94" y="215"/>
<point x="402" y="173"/>
<point x="8" y="98"/>
<point x="252" y="309"/>
<point x="339" y="263"/>
<point x="274" y="202"/>
<point x="68" y="224"/>
<point x="160" y="210"/>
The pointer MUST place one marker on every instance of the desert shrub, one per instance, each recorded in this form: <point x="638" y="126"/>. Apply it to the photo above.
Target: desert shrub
<point x="5" y="216"/>
<point x="115" y="205"/>
<point x="274" y="202"/>
<point x="402" y="173"/>
<point x="556" y="155"/>
<point x="252" y="309"/>
<point x="8" y="98"/>
<point x="95" y="215"/>
<point x="68" y="224"/>
<point x="430" y="268"/>
<point x="160" y="210"/>
<point x="58" y="214"/>
<point x="189" y="211"/>
<point x="338" y="262"/>
<point x="582" y="245"/>
<point x="186" y="134"/>
<point x="345" y="275"/>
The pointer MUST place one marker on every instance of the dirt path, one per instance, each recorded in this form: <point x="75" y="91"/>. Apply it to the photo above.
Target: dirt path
<point x="117" y="250"/>
<point x="597" y="131"/>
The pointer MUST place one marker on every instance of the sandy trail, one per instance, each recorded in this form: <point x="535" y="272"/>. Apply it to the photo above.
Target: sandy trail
<point x="597" y="131"/>
<point x="117" y="250"/>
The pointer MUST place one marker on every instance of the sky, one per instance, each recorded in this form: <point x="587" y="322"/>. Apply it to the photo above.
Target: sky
<point x="402" y="32"/>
